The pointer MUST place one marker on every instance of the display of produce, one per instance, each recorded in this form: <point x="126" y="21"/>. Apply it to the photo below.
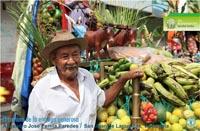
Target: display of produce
<point x="167" y="87"/>
<point x="113" y="119"/>
<point x="184" y="118"/>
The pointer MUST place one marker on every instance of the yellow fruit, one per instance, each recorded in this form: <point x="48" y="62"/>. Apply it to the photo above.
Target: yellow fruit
<point x="116" y="125"/>
<point x="173" y="119"/>
<point x="188" y="113"/>
<point x="126" y="121"/>
<point x="143" y="128"/>
<point x="167" y="126"/>
<point x="121" y="113"/>
<point x="100" y="110"/>
<point x="111" y="119"/>
<point x="195" y="105"/>
<point x="182" y="122"/>
<point x="102" y="126"/>
<point x="112" y="109"/>
<point x="197" y="112"/>
<point x="102" y="116"/>
<point x="176" y="127"/>
<point x="178" y="112"/>
<point x="197" y="124"/>
<point x="133" y="66"/>
<point x="168" y="115"/>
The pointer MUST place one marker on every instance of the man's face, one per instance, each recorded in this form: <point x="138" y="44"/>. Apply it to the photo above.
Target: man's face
<point x="67" y="60"/>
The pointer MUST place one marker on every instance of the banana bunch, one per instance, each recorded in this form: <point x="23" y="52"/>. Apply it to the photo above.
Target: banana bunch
<point x="174" y="81"/>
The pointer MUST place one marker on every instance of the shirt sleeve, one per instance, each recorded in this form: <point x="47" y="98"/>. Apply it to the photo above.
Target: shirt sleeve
<point x="36" y="115"/>
<point x="99" y="92"/>
<point x="100" y="97"/>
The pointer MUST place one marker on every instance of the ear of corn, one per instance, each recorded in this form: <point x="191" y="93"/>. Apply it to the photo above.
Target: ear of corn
<point x="195" y="71"/>
<point x="188" y="87"/>
<point x="150" y="72"/>
<point x="170" y="97"/>
<point x="179" y="74"/>
<point x="184" y="81"/>
<point x="176" y="87"/>
<point x="192" y="66"/>
<point x="167" y="68"/>
<point x="185" y="71"/>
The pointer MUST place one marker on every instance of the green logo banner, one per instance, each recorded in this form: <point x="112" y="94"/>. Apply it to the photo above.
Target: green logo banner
<point x="182" y="22"/>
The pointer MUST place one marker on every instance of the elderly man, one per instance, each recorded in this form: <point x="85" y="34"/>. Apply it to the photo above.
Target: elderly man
<point x="67" y="98"/>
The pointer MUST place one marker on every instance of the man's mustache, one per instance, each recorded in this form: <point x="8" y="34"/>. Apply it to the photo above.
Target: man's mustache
<point x="71" y="66"/>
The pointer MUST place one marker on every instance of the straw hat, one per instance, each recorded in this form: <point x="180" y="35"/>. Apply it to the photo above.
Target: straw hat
<point x="63" y="39"/>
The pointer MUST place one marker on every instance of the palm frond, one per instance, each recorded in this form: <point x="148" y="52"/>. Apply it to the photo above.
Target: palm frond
<point x="28" y="32"/>
<point x="119" y="15"/>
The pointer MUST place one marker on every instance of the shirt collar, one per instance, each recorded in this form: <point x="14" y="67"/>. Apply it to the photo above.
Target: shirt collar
<point x="81" y="76"/>
<point x="55" y="80"/>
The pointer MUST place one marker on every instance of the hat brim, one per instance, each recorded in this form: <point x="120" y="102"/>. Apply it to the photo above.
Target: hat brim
<point x="81" y="42"/>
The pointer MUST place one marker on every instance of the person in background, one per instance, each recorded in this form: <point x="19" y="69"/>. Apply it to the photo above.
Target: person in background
<point x="67" y="98"/>
<point x="192" y="45"/>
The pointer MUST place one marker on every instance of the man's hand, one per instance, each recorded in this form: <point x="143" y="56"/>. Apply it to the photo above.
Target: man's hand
<point x="114" y="90"/>
<point x="136" y="73"/>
